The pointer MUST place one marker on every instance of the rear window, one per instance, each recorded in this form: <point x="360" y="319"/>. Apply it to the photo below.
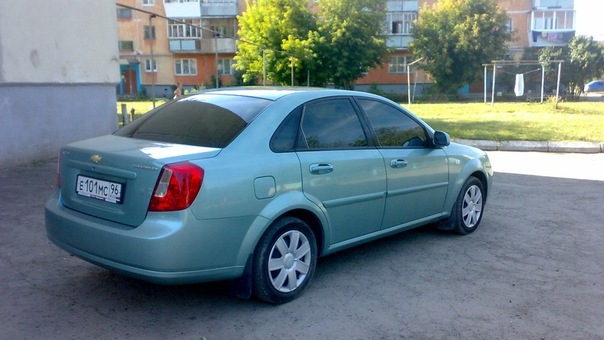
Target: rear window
<point x="203" y="120"/>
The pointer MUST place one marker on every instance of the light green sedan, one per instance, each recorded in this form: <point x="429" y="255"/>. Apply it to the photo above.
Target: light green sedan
<point x="254" y="184"/>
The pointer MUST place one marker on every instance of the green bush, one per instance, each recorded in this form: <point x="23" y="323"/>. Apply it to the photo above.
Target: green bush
<point x="395" y="97"/>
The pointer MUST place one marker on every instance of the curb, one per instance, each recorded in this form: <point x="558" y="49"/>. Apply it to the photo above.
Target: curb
<point x="560" y="147"/>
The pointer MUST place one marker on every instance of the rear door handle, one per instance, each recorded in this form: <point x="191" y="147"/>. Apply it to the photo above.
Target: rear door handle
<point x="398" y="163"/>
<point x="321" y="168"/>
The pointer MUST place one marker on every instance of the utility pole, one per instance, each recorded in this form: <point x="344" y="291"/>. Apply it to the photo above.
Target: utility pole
<point x="151" y="39"/>
<point x="409" y="80"/>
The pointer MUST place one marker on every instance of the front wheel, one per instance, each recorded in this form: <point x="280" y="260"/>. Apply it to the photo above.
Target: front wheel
<point x="467" y="212"/>
<point x="284" y="261"/>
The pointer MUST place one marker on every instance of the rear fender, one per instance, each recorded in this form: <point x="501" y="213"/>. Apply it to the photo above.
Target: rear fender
<point x="279" y="206"/>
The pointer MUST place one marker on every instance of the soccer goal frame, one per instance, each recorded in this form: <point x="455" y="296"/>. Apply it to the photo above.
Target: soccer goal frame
<point x="496" y="63"/>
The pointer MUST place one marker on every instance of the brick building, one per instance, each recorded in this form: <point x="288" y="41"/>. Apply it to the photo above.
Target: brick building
<point x="197" y="57"/>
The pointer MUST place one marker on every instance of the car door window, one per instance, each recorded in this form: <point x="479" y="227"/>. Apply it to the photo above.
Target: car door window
<point x="284" y="138"/>
<point x="417" y="175"/>
<point x="331" y="124"/>
<point x="393" y="127"/>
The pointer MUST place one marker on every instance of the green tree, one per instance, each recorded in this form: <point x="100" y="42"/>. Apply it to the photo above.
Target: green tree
<point x="583" y="61"/>
<point x="351" y="39"/>
<point x="455" y="37"/>
<point x="337" y="46"/>
<point x="273" y="35"/>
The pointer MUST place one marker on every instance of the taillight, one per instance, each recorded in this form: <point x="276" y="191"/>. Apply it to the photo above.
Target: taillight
<point x="177" y="187"/>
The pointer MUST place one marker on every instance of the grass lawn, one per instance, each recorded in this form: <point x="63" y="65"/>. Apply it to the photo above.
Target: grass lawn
<point x="572" y="121"/>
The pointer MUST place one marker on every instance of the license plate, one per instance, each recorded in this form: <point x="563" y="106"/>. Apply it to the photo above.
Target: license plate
<point x="99" y="189"/>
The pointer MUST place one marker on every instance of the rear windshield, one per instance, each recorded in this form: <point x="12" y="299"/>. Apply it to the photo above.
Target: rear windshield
<point x="204" y="120"/>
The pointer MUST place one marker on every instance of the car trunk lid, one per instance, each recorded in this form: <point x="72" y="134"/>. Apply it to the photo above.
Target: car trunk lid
<point x="113" y="177"/>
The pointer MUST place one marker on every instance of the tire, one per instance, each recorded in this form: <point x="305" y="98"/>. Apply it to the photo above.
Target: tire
<point x="467" y="211"/>
<point x="284" y="261"/>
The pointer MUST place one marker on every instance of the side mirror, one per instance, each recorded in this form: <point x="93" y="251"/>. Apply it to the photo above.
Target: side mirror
<point x="441" y="139"/>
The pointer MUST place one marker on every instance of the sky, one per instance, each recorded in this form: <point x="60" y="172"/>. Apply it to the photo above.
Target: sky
<point x="589" y="18"/>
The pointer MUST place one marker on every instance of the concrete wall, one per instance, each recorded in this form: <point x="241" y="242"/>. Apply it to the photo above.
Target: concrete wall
<point x="59" y="69"/>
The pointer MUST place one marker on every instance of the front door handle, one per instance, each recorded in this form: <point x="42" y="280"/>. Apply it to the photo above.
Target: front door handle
<point x="398" y="163"/>
<point x="321" y="168"/>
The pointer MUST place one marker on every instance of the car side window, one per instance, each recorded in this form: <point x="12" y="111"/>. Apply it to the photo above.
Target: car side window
<point x="284" y="139"/>
<point x="393" y="127"/>
<point x="331" y="124"/>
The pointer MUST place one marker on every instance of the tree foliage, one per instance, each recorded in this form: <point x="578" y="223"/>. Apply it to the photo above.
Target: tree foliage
<point x="275" y="30"/>
<point x="455" y="37"/>
<point x="583" y="61"/>
<point x="352" y="38"/>
<point x="337" y="46"/>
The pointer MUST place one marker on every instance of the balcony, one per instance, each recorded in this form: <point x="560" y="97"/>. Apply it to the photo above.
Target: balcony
<point x="204" y="46"/>
<point x="177" y="9"/>
<point x="219" y="8"/>
<point x="552" y="27"/>
<point x="402" y="6"/>
<point x="225" y="45"/>
<point x="398" y="28"/>
<point x="185" y="45"/>
<point x="398" y="42"/>
<point x="567" y="4"/>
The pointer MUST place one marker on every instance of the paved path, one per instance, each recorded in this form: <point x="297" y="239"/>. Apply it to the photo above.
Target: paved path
<point x="561" y="165"/>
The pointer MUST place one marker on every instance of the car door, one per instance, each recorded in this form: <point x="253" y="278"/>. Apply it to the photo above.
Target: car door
<point x="341" y="171"/>
<point x="417" y="174"/>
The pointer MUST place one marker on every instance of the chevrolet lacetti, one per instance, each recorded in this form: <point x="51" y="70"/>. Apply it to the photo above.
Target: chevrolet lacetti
<point x="252" y="185"/>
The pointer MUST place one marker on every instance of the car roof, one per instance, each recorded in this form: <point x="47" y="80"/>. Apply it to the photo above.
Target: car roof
<point x="274" y="93"/>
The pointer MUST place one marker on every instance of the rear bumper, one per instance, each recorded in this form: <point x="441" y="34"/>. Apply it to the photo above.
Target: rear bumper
<point x="167" y="248"/>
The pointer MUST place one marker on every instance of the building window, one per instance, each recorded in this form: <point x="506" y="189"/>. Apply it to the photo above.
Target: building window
<point x="148" y="2"/>
<point x="399" y="23"/>
<point x="124" y="13"/>
<point x="148" y="65"/>
<point x="225" y="66"/>
<point x="178" y="1"/>
<point x="180" y="30"/>
<point x="397" y="64"/>
<point x="149" y="32"/>
<point x="125" y="45"/>
<point x="185" y="67"/>
<point x="509" y="26"/>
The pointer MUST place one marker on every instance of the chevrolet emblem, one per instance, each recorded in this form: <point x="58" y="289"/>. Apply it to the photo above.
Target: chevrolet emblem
<point x="96" y="158"/>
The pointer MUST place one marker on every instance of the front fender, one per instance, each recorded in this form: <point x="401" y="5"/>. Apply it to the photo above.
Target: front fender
<point x="464" y="162"/>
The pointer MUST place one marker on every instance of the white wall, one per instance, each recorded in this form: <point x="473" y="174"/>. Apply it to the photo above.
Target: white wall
<point x="59" y="67"/>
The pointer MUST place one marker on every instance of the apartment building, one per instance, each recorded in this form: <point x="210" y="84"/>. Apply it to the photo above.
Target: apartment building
<point x="392" y="75"/>
<point x="164" y="51"/>
<point x="188" y="41"/>
<point x="539" y="23"/>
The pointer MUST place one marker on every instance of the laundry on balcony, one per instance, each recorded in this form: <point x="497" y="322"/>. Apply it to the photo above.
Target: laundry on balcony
<point x="552" y="37"/>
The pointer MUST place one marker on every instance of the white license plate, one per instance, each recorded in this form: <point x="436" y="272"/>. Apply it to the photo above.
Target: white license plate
<point x="99" y="189"/>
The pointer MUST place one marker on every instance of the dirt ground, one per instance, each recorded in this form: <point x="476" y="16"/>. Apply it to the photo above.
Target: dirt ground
<point x="533" y="270"/>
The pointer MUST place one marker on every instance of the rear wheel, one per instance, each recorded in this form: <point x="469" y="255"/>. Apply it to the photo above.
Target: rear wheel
<point x="467" y="212"/>
<point x="284" y="261"/>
